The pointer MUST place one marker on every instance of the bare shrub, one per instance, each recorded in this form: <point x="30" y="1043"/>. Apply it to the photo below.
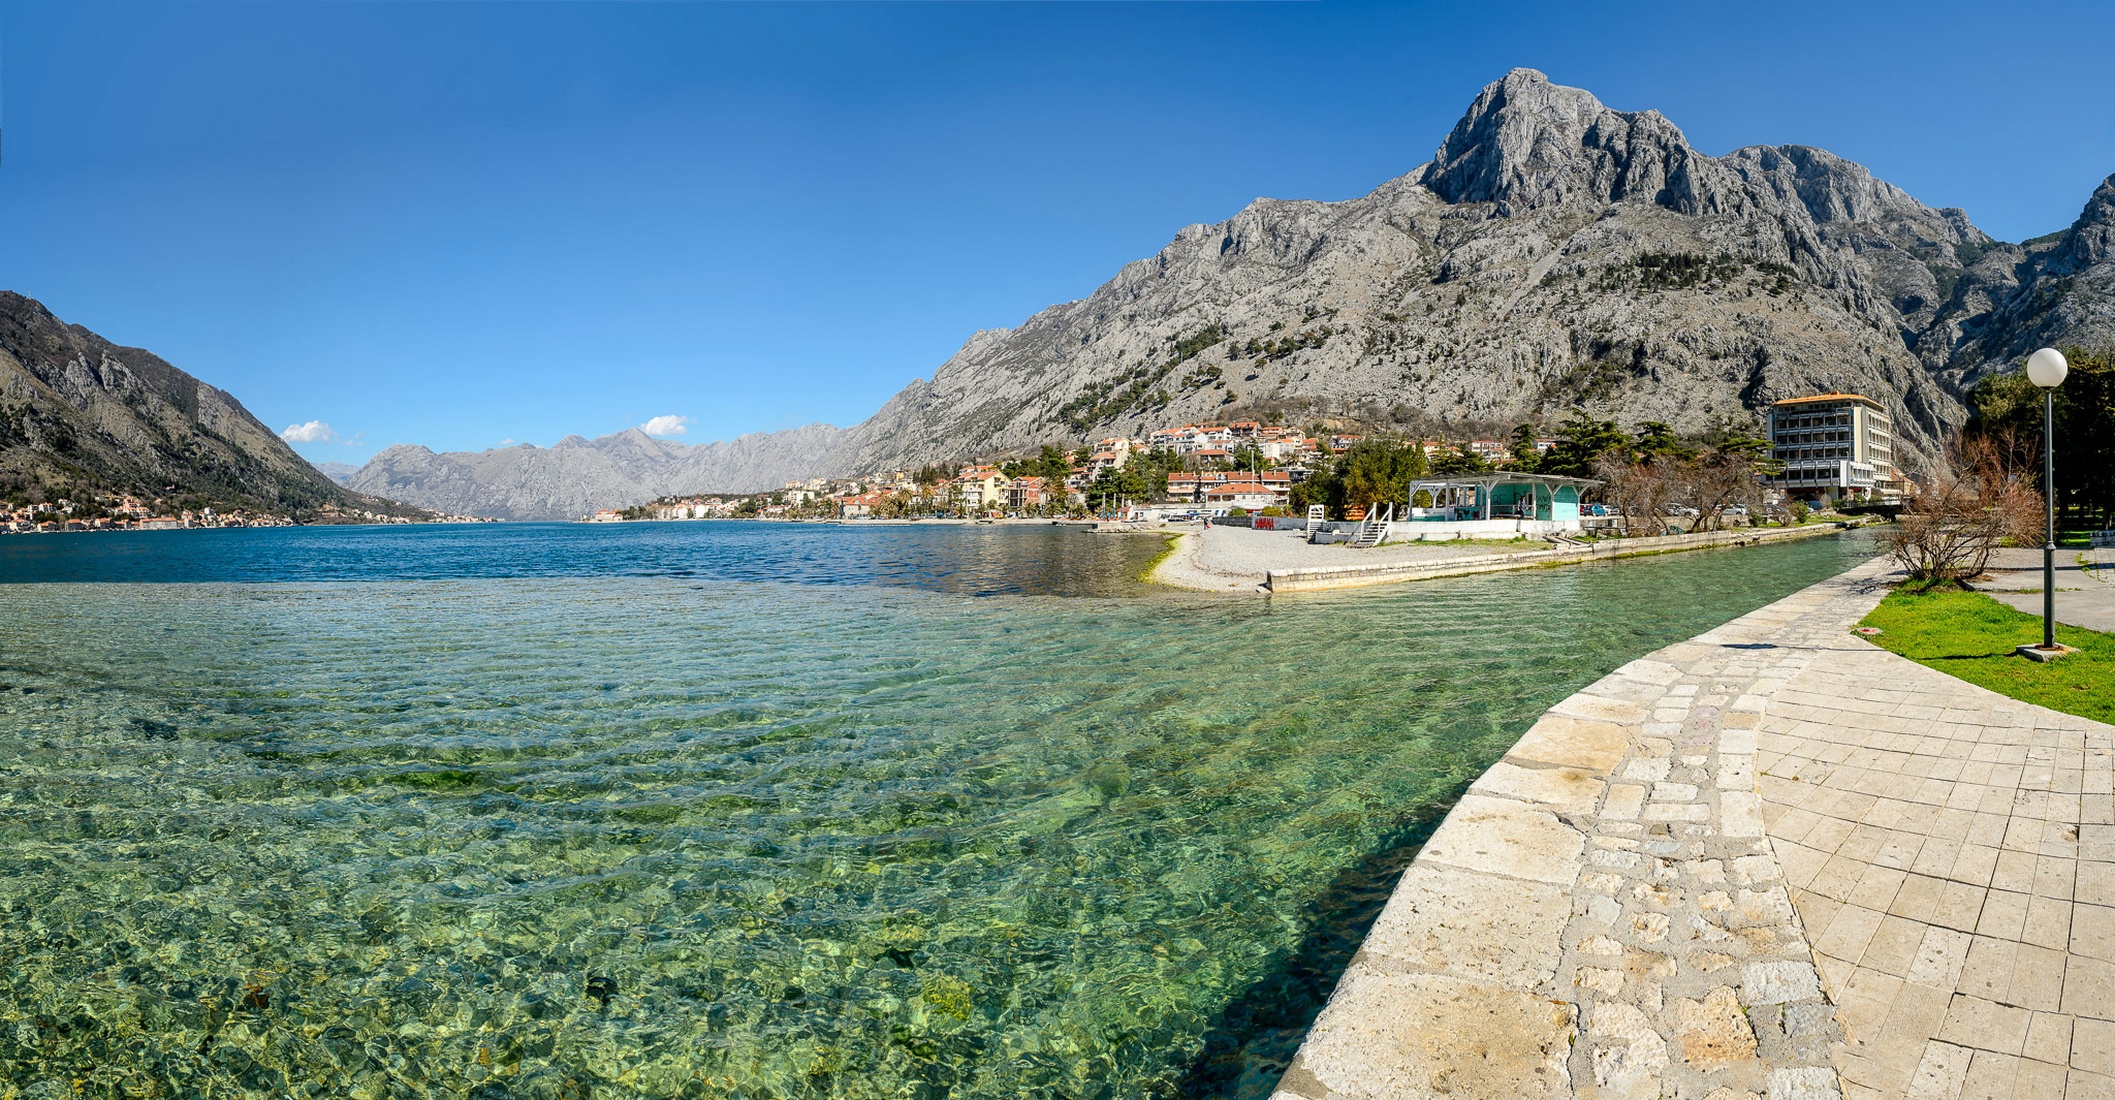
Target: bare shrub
<point x="1711" y="484"/>
<point x="2004" y="473"/>
<point x="1718" y="482"/>
<point x="1638" y="489"/>
<point x="1948" y="535"/>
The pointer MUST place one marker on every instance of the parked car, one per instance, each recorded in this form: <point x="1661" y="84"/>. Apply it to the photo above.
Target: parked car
<point x="1740" y="510"/>
<point x="1679" y="510"/>
<point x="1597" y="510"/>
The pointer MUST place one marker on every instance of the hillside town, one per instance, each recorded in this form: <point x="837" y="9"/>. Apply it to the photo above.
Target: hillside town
<point x="130" y="513"/>
<point x="1818" y="450"/>
<point x="1244" y="464"/>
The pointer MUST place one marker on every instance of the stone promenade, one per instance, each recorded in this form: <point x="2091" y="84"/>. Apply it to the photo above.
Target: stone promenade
<point x="2085" y="585"/>
<point x="1773" y="861"/>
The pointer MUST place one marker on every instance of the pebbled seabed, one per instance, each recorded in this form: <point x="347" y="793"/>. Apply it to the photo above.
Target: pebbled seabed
<point x="649" y="836"/>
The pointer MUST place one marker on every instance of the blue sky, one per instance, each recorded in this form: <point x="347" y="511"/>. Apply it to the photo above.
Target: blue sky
<point x="462" y="224"/>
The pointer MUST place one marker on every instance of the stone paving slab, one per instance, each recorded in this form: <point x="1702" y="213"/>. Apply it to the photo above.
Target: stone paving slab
<point x="2085" y="585"/>
<point x="1772" y="860"/>
<point x="1952" y="852"/>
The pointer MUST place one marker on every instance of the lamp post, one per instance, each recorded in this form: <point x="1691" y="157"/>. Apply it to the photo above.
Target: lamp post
<point x="2046" y="368"/>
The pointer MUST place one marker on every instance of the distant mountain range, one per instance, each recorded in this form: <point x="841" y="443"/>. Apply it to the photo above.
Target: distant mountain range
<point x="81" y="415"/>
<point x="336" y="471"/>
<point x="577" y="476"/>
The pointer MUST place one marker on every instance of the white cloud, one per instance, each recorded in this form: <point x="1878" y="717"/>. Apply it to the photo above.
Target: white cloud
<point x="666" y="425"/>
<point x="315" y="431"/>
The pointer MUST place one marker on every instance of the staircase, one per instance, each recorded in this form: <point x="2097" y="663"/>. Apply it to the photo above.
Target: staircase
<point x="1375" y="526"/>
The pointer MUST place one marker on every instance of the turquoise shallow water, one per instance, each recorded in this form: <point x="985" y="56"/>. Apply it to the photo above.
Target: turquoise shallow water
<point x="653" y="835"/>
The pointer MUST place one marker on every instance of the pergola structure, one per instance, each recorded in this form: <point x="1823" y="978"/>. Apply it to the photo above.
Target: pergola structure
<point x="1498" y="496"/>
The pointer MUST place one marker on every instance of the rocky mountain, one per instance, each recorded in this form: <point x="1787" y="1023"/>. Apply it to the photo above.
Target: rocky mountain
<point x="340" y="472"/>
<point x="2054" y="291"/>
<point x="1554" y="253"/>
<point x="577" y="476"/>
<point x="81" y="415"/>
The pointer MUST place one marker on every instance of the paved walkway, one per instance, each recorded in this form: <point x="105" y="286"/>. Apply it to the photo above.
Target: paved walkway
<point x="1772" y="860"/>
<point x="2085" y="585"/>
<point x="1238" y="559"/>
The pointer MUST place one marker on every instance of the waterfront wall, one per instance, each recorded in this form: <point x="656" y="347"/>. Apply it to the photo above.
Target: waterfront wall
<point x="1424" y="530"/>
<point x="1353" y="576"/>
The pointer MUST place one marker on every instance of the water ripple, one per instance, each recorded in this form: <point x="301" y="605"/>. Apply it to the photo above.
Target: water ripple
<point x="616" y="835"/>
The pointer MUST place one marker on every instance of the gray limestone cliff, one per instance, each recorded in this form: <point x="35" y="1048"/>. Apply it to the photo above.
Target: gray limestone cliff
<point x="1555" y="253"/>
<point x="2055" y="291"/>
<point x="340" y="472"/>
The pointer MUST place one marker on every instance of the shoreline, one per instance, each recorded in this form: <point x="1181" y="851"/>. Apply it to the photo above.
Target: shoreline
<point x="1174" y="545"/>
<point x="1240" y="560"/>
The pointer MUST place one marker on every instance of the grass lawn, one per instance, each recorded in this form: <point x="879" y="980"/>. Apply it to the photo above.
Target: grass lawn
<point x="1970" y="635"/>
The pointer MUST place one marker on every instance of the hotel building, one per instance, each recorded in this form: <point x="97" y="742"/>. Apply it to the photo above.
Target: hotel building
<point x="1834" y="446"/>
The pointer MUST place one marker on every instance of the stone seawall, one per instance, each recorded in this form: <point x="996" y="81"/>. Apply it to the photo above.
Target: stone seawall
<point x="1353" y="576"/>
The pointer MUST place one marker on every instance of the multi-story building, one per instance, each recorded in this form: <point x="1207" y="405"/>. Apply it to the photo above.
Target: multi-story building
<point x="1197" y="487"/>
<point x="1834" y="446"/>
<point x="981" y="486"/>
<point x="1282" y="447"/>
<point x="1028" y="492"/>
<point x="860" y="505"/>
<point x="1250" y="495"/>
<point x="1180" y="440"/>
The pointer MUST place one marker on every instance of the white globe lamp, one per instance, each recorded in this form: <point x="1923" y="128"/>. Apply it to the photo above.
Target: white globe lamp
<point x="2046" y="368"/>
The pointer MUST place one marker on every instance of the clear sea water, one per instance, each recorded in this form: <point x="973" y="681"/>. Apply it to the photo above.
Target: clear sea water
<point x="733" y="810"/>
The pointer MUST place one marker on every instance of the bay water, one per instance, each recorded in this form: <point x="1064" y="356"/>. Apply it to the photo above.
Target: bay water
<point x="730" y="809"/>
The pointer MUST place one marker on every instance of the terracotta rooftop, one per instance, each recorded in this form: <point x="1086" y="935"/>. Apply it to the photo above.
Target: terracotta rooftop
<point x="1827" y="397"/>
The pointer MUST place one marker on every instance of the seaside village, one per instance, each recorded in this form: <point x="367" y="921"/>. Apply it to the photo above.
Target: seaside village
<point x="1823" y="449"/>
<point x="1245" y="465"/>
<point x="130" y="513"/>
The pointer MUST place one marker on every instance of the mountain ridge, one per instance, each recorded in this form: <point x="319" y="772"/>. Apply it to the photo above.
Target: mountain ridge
<point x="1554" y="253"/>
<point x="576" y="476"/>
<point x="80" y="414"/>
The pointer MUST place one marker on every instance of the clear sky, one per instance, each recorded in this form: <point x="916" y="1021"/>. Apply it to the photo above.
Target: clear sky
<point x="469" y="223"/>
